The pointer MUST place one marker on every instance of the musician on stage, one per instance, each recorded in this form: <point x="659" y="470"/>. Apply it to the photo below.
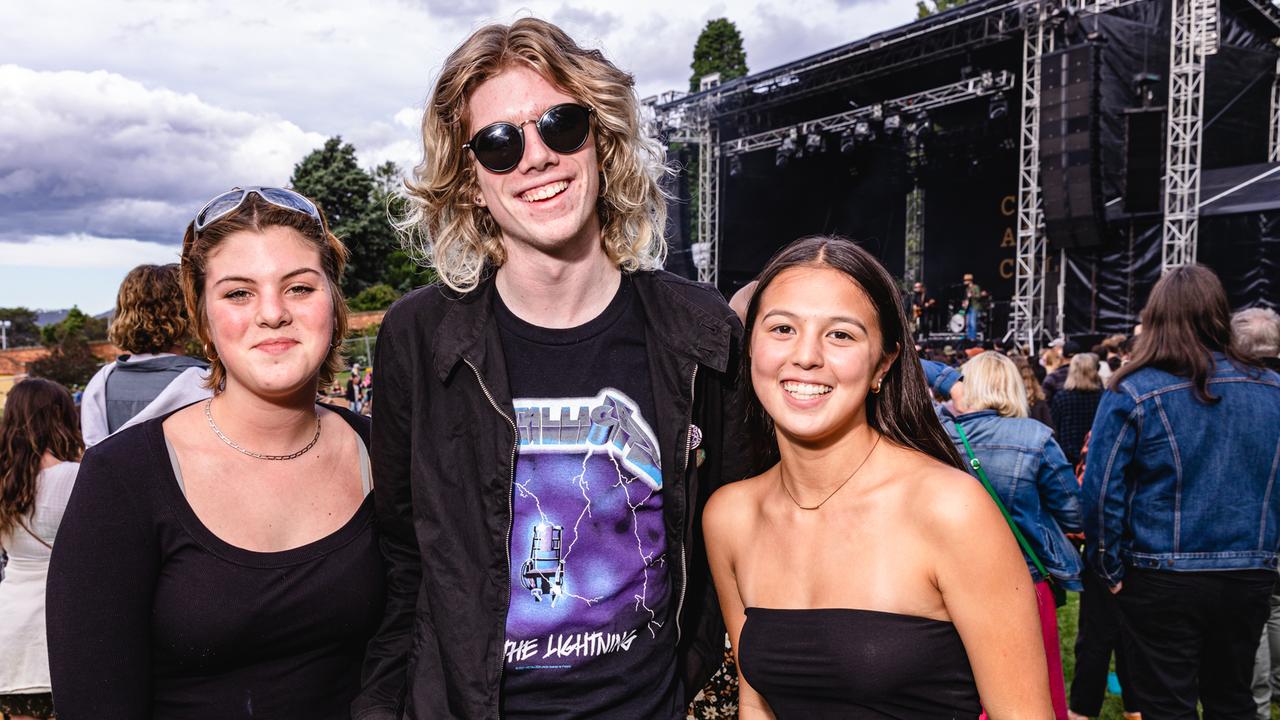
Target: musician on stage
<point x="922" y="309"/>
<point x="974" y="303"/>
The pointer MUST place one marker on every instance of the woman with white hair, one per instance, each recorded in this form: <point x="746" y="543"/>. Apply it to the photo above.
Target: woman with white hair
<point x="1028" y="471"/>
<point x="1075" y="405"/>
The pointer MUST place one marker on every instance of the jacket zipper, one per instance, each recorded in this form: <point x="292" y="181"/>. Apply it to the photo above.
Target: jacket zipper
<point x="684" y="543"/>
<point x="515" y="445"/>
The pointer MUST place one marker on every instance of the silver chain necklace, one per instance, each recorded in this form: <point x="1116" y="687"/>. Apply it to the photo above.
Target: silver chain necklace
<point x="208" y="414"/>
<point x="782" y="480"/>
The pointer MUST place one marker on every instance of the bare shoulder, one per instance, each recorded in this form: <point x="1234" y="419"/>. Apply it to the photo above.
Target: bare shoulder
<point x="734" y="506"/>
<point x="958" y="506"/>
<point x="947" y="501"/>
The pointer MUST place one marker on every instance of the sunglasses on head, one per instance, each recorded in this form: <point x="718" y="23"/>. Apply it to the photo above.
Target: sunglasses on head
<point x="563" y="128"/>
<point x="222" y="205"/>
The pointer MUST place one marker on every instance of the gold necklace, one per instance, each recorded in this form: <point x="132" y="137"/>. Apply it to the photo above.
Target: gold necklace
<point x="782" y="479"/>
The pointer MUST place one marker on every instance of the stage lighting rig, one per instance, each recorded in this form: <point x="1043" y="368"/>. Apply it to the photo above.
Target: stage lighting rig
<point x="997" y="107"/>
<point x="863" y="131"/>
<point x="812" y="143"/>
<point x="892" y="124"/>
<point x="848" y="143"/>
<point x="786" y="151"/>
<point x="735" y="165"/>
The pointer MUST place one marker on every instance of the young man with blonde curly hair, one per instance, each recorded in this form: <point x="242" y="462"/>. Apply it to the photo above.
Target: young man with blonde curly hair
<point x="552" y="414"/>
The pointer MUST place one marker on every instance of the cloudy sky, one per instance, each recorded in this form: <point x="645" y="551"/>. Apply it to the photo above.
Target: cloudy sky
<point x="119" y="118"/>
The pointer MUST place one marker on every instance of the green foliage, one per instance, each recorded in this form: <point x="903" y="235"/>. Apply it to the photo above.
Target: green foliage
<point x="76" y="323"/>
<point x="374" y="297"/>
<point x="925" y="8"/>
<point x="402" y="273"/>
<point x="23" y="332"/>
<point x="333" y="178"/>
<point x="70" y="361"/>
<point x="718" y="49"/>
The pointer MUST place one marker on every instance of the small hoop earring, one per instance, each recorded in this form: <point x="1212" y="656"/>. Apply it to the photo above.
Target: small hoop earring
<point x="209" y="353"/>
<point x="875" y="389"/>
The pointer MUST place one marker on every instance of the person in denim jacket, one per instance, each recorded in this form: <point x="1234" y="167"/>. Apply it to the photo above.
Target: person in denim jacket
<point x="1029" y="472"/>
<point x="1023" y="461"/>
<point x="1181" y="511"/>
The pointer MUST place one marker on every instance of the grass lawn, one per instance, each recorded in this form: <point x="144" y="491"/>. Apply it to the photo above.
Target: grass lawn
<point x="1112" y="708"/>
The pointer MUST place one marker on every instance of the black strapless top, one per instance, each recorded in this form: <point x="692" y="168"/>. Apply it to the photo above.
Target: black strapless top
<point x="841" y="663"/>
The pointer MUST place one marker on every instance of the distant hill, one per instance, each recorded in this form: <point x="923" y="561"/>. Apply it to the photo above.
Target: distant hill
<point x="49" y="317"/>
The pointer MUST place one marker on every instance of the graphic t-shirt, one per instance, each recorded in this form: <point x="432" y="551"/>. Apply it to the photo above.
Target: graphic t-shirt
<point x="588" y="630"/>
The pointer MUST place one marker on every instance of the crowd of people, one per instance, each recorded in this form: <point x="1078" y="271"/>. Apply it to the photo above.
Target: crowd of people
<point x="584" y="473"/>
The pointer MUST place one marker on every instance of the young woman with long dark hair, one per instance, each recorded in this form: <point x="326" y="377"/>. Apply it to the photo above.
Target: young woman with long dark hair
<point x="864" y="572"/>
<point x="1181" y="518"/>
<point x="39" y="448"/>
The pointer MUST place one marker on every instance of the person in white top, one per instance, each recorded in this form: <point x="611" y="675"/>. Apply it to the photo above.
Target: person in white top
<point x="40" y="447"/>
<point x="154" y="376"/>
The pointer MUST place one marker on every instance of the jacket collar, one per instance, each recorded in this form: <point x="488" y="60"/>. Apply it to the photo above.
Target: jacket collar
<point x="680" y="325"/>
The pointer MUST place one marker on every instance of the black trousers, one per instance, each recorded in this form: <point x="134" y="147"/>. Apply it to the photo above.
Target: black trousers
<point x="1098" y="634"/>
<point x="1193" y="636"/>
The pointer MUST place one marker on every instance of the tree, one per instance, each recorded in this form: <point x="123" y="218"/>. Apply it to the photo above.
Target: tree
<point x="925" y="8"/>
<point x="718" y="49"/>
<point x="23" y="331"/>
<point x="374" y="297"/>
<point x="403" y="274"/>
<point x="77" y="322"/>
<point x="70" y="362"/>
<point x="348" y="195"/>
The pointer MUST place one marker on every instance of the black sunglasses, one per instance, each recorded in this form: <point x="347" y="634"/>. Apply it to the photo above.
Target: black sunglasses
<point x="563" y="128"/>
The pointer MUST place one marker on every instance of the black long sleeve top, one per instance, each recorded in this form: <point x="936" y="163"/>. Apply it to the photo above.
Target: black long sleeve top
<point x="150" y="615"/>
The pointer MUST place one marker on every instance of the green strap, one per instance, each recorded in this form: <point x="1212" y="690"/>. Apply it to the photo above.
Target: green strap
<point x="982" y="475"/>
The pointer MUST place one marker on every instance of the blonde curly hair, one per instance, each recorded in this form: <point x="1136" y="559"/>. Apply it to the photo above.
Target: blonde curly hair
<point x="444" y="227"/>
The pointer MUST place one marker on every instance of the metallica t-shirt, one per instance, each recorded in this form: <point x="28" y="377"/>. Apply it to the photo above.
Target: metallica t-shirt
<point x="588" y="630"/>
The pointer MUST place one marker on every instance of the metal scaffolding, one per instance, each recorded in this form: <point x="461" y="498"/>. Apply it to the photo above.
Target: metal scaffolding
<point x="913" y="262"/>
<point x="1026" y="319"/>
<point x="706" y="252"/>
<point x="986" y="84"/>
<point x="1193" y="35"/>
<point x="1273" y="142"/>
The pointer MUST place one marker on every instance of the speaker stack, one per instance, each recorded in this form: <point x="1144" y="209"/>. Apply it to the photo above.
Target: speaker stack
<point x="1070" y="158"/>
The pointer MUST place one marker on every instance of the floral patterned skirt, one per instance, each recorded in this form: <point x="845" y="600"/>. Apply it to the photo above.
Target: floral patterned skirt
<point x="38" y="705"/>
<point x="719" y="699"/>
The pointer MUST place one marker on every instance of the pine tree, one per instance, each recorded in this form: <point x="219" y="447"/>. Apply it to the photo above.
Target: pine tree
<point x="719" y="49"/>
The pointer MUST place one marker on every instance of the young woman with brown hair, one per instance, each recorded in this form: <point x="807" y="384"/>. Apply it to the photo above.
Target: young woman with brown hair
<point x="1181" y="518"/>
<point x="39" y="449"/>
<point x="220" y="561"/>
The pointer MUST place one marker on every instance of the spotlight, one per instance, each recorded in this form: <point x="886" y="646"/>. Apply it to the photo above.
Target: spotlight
<point x="848" y="144"/>
<point x="735" y="166"/>
<point x="812" y="143"/>
<point x="918" y="126"/>
<point x="892" y="124"/>
<point x="786" y="152"/>
<point x="998" y="107"/>
<point x="863" y="131"/>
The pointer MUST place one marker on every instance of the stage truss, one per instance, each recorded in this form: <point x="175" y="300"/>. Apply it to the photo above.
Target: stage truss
<point x="694" y="118"/>
<point x="1194" y="35"/>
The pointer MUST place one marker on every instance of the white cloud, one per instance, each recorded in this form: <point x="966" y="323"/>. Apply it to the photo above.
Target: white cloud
<point x="101" y="154"/>
<point x="84" y="251"/>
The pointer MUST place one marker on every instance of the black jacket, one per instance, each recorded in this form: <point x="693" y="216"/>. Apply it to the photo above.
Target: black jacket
<point x="444" y="447"/>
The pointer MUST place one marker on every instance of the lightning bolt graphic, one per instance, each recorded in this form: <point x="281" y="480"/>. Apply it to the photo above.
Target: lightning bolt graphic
<point x="646" y="559"/>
